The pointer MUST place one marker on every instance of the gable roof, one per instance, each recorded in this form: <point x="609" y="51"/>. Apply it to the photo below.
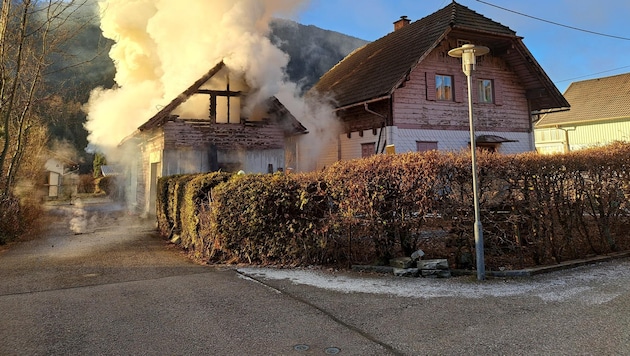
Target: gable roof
<point x="275" y="108"/>
<point x="164" y="115"/>
<point x="595" y="99"/>
<point x="377" y="69"/>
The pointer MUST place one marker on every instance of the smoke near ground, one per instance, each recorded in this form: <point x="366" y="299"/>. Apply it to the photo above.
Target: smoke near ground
<point x="162" y="47"/>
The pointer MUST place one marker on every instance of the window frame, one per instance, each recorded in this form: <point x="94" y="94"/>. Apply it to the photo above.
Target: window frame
<point x="369" y="148"/>
<point x="441" y="94"/>
<point x="433" y="144"/>
<point x="482" y="92"/>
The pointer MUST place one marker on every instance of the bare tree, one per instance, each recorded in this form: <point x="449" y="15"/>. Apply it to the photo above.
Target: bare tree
<point x="31" y="32"/>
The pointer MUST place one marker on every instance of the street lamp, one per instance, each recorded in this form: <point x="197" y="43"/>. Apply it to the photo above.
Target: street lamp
<point x="468" y="53"/>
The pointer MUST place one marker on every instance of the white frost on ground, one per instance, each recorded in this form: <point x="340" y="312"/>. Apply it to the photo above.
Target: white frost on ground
<point x="595" y="284"/>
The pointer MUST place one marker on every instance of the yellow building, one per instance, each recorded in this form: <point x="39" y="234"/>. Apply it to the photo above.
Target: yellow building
<point x="599" y="115"/>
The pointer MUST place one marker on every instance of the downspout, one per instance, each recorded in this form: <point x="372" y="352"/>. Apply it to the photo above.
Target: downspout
<point x="380" y="134"/>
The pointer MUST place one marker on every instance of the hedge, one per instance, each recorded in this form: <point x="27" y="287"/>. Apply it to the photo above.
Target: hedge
<point x="534" y="209"/>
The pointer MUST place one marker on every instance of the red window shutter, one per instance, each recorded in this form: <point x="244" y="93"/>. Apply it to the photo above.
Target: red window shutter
<point x="498" y="92"/>
<point x="475" y="91"/>
<point x="430" y="80"/>
<point x="459" y="88"/>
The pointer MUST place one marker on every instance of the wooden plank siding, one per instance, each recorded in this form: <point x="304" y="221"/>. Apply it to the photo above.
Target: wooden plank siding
<point x="414" y="109"/>
<point x="259" y="136"/>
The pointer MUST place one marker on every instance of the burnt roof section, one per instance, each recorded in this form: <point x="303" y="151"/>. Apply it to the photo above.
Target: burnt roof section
<point x="593" y="100"/>
<point x="280" y="114"/>
<point x="376" y="69"/>
<point x="164" y="115"/>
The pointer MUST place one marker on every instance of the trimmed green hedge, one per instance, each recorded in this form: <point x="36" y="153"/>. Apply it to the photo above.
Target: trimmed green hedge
<point x="535" y="209"/>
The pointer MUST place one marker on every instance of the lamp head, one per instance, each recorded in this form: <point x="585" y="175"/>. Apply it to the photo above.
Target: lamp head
<point x="468" y="53"/>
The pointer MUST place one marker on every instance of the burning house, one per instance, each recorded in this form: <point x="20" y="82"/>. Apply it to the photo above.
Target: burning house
<point x="178" y="140"/>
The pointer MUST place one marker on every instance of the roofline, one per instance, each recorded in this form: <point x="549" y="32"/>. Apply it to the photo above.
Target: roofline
<point x="466" y="28"/>
<point x="582" y="121"/>
<point x="162" y="116"/>
<point x="360" y="103"/>
<point x="129" y="137"/>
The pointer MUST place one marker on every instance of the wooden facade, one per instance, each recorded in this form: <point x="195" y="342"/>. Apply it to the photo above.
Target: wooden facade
<point x="386" y="92"/>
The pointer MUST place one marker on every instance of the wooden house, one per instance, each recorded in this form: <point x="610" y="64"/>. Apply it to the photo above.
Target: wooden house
<point x="174" y="141"/>
<point x="599" y="115"/>
<point x="404" y="90"/>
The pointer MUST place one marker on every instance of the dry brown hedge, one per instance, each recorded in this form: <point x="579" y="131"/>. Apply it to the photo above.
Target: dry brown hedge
<point x="534" y="209"/>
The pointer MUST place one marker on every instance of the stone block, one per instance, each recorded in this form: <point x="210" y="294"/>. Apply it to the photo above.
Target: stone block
<point x="433" y="264"/>
<point x="417" y="255"/>
<point x="406" y="272"/>
<point x="435" y="273"/>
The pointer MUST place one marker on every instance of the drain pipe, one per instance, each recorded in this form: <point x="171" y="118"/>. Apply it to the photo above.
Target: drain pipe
<point x="380" y="134"/>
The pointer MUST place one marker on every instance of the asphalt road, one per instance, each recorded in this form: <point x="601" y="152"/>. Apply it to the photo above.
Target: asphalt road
<point x="118" y="289"/>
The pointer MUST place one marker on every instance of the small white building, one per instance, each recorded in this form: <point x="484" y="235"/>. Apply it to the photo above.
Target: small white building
<point x="60" y="180"/>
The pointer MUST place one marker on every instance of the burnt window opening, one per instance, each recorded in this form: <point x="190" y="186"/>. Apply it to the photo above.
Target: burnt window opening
<point x="224" y="106"/>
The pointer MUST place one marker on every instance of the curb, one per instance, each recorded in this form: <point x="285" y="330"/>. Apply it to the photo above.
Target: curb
<point x="527" y="272"/>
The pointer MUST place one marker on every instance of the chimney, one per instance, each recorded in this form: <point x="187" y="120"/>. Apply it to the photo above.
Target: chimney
<point x="404" y="21"/>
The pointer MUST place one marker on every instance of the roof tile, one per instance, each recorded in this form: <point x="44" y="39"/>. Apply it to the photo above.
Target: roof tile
<point x="594" y="99"/>
<point x="375" y="69"/>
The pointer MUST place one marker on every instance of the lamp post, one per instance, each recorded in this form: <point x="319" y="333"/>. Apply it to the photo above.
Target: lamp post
<point x="468" y="53"/>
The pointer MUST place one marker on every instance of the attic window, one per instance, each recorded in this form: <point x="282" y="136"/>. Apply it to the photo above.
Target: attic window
<point x="485" y="90"/>
<point x="443" y="87"/>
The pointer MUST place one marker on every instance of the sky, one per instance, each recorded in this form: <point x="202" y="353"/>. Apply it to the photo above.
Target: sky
<point x="566" y="55"/>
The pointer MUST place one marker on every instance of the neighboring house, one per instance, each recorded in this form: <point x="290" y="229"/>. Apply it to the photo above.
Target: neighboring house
<point x="174" y="141"/>
<point x="600" y="114"/>
<point x="405" y="91"/>
<point x="61" y="177"/>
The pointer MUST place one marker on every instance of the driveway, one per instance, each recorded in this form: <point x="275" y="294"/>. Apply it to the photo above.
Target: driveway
<point x="116" y="288"/>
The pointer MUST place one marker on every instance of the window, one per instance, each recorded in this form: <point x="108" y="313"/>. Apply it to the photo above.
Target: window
<point x="443" y="87"/>
<point x="485" y="91"/>
<point x="368" y="149"/>
<point x="422" y="146"/>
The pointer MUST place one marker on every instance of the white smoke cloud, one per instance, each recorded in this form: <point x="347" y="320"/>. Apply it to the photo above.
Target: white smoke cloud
<point x="163" y="46"/>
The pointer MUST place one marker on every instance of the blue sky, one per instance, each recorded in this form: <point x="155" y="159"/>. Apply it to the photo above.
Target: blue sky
<point x="566" y="55"/>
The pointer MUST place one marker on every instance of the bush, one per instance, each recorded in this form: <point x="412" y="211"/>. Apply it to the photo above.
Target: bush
<point x="18" y="218"/>
<point x="534" y="210"/>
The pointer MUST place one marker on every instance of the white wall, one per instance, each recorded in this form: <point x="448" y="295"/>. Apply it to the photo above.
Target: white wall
<point x="404" y="140"/>
<point x="448" y="140"/>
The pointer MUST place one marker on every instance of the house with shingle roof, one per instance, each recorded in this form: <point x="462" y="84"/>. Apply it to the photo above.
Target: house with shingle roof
<point x="205" y="129"/>
<point x="599" y="115"/>
<point x="404" y="90"/>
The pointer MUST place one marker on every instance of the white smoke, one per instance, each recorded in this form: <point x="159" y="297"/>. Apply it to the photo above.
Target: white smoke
<point x="163" y="46"/>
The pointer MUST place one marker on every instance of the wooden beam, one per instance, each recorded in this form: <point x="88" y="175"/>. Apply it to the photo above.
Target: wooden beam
<point x="218" y="92"/>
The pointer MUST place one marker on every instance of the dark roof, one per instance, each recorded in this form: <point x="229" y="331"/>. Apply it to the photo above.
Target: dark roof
<point x="592" y="100"/>
<point x="377" y="69"/>
<point x="492" y="139"/>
